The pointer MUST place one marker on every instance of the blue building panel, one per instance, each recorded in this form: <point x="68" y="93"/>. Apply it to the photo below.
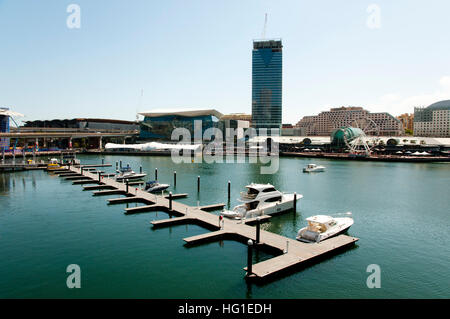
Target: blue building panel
<point x="267" y="67"/>
<point x="4" y="128"/>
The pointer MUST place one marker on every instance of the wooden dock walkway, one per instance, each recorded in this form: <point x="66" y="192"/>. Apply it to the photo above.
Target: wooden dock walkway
<point x="290" y="252"/>
<point x="84" y="181"/>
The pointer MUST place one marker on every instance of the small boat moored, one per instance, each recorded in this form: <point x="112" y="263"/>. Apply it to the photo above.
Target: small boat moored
<point x="310" y="168"/>
<point x="53" y="165"/>
<point x="261" y="199"/>
<point x="126" y="173"/>
<point x="154" y="186"/>
<point x="321" y="227"/>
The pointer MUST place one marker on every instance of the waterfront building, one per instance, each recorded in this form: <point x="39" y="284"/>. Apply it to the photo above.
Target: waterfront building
<point x="326" y="122"/>
<point x="407" y="121"/>
<point x="267" y="58"/>
<point x="237" y="117"/>
<point x="93" y="124"/>
<point x="237" y="121"/>
<point x="159" y="124"/>
<point x="433" y="121"/>
<point x="290" y="130"/>
<point x="4" y="128"/>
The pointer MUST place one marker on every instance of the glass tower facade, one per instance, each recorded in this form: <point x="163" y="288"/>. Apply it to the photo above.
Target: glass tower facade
<point x="4" y="128"/>
<point x="267" y="58"/>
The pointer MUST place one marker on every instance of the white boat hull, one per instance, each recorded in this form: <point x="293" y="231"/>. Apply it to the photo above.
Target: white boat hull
<point x="130" y="177"/>
<point x="286" y="204"/>
<point x="305" y="235"/>
<point x="314" y="170"/>
<point x="158" y="188"/>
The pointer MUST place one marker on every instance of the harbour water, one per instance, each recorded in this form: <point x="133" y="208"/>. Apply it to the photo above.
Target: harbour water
<point x="401" y="213"/>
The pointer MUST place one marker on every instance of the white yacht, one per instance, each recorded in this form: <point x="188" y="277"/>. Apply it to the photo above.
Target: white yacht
<point x="321" y="227"/>
<point x="313" y="168"/>
<point x="154" y="186"/>
<point x="126" y="173"/>
<point x="261" y="199"/>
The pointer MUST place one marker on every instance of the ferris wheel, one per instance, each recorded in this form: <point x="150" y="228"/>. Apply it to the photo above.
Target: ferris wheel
<point x="361" y="136"/>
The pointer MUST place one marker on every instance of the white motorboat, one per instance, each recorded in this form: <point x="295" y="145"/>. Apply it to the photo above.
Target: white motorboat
<point x="261" y="199"/>
<point x="126" y="173"/>
<point x="154" y="186"/>
<point x="321" y="227"/>
<point x="310" y="168"/>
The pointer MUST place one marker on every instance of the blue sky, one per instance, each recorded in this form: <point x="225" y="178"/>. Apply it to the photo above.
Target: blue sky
<point x="196" y="53"/>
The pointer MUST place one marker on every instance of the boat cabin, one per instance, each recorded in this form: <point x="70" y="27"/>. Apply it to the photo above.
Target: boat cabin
<point x="253" y="190"/>
<point x="320" y="223"/>
<point x="125" y="169"/>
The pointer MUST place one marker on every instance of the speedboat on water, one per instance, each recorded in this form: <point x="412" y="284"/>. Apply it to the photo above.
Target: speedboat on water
<point x="154" y="186"/>
<point x="321" y="227"/>
<point x="261" y="199"/>
<point x="127" y="174"/>
<point x="310" y="168"/>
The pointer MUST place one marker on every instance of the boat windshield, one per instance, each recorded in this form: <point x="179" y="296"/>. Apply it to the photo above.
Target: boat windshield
<point x="251" y="193"/>
<point x="125" y="169"/>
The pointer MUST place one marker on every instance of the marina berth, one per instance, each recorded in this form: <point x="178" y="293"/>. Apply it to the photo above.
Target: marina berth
<point x="126" y="174"/>
<point x="271" y="201"/>
<point x="322" y="227"/>
<point x="154" y="186"/>
<point x="262" y="199"/>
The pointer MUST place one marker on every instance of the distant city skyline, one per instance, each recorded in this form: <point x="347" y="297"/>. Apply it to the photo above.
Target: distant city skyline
<point x="198" y="54"/>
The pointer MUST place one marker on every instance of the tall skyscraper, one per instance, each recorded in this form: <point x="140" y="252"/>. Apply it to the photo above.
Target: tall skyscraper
<point x="267" y="67"/>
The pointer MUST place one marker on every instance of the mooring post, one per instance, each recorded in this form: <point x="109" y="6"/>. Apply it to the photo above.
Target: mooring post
<point x="220" y="220"/>
<point x="295" y="202"/>
<point x="99" y="176"/>
<point x="287" y="246"/>
<point x="198" y="184"/>
<point x="127" y="185"/>
<point x="103" y="161"/>
<point x="258" y="222"/>
<point x="81" y="170"/>
<point x="170" y="201"/>
<point x="117" y="165"/>
<point x="156" y="174"/>
<point x="175" y="179"/>
<point x="229" y="190"/>
<point x="140" y="169"/>
<point x="120" y="164"/>
<point x="249" y="257"/>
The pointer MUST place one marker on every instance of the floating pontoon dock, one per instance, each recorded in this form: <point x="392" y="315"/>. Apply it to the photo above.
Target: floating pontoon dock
<point x="291" y="253"/>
